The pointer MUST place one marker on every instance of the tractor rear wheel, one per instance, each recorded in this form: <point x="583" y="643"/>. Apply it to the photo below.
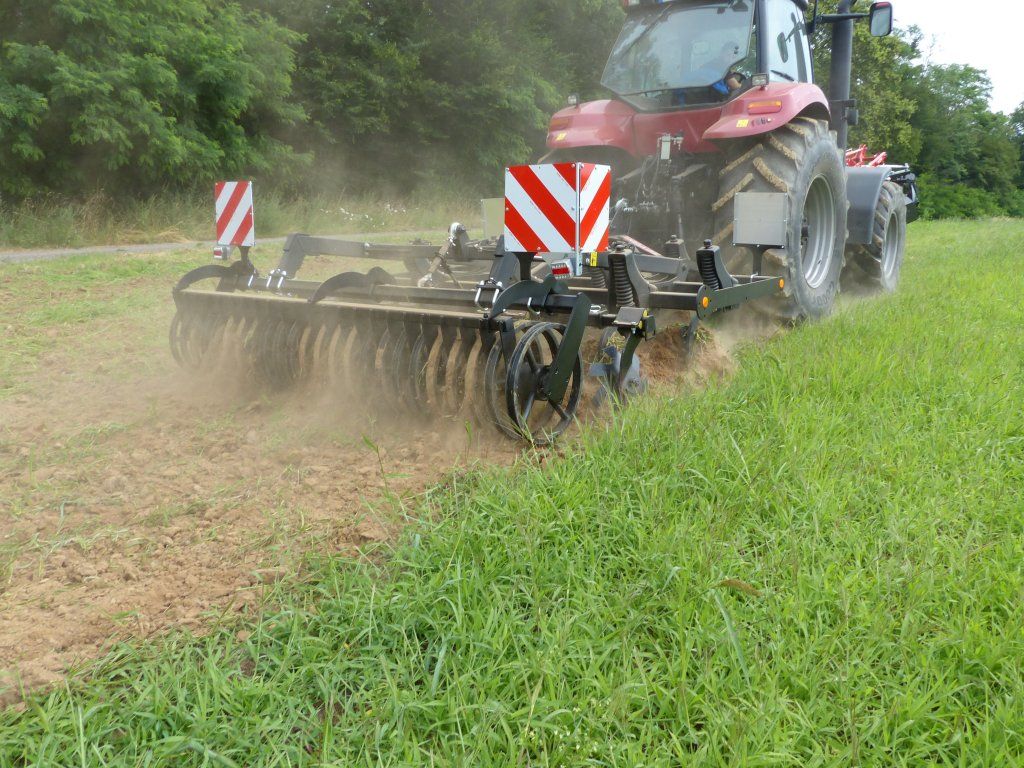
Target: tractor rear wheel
<point x="879" y="263"/>
<point x="800" y="159"/>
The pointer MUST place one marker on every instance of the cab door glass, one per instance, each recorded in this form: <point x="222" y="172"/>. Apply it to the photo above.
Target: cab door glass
<point x="788" y="52"/>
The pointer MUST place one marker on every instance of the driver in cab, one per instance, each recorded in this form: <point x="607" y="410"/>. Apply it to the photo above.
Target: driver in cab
<point x="721" y="86"/>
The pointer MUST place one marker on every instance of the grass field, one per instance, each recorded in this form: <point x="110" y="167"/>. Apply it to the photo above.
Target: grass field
<point x="818" y="562"/>
<point x="101" y="220"/>
<point x="87" y="295"/>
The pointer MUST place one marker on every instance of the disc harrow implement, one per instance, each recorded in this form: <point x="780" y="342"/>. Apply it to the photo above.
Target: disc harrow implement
<point x="466" y="331"/>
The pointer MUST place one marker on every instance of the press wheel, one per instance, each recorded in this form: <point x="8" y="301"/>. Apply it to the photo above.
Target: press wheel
<point x="531" y="413"/>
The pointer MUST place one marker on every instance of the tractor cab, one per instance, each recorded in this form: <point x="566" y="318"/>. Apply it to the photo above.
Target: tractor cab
<point x="686" y="68"/>
<point x="691" y="54"/>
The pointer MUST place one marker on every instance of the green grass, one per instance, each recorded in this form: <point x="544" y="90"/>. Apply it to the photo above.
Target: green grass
<point x="99" y="220"/>
<point x="815" y="563"/>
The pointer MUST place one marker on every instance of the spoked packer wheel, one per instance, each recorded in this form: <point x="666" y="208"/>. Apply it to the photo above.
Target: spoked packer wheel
<point x="520" y="403"/>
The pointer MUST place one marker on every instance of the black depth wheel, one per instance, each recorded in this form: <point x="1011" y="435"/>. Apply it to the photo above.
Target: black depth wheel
<point x="532" y="414"/>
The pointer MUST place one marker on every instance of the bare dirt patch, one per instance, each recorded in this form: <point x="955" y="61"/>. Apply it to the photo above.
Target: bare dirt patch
<point x="135" y="504"/>
<point x="134" y="498"/>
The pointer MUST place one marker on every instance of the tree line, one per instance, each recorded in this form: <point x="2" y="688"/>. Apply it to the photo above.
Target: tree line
<point x="139" y="96"/>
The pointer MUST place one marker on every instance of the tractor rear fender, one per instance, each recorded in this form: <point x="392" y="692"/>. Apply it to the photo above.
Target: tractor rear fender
<point x="863" y="188"/>
<point x="765" y="109"/>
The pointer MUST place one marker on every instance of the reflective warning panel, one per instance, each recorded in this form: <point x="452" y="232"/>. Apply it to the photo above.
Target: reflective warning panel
<point x="235" y="223"/>
<point x="559" y="208"/>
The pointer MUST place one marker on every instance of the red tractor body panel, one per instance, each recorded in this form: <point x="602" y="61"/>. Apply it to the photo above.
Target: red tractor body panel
<point x="606" y="123"/>
<point x="761" y="110"/>
<point x="612" y="123"/>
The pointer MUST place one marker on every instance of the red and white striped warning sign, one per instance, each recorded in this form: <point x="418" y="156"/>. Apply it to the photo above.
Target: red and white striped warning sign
<point x="560" y="208"/>
<point x="235" y="224"/>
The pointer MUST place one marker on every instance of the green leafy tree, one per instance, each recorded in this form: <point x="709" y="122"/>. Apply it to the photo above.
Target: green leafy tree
<point x="444" y="92"/>
<point x="140" y="95"/>
<point x="1017" y="129"/>
<point x="881" y="71"/>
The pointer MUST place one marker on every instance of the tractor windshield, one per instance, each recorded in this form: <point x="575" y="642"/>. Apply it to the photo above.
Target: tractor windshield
<point x="683" y="53"/>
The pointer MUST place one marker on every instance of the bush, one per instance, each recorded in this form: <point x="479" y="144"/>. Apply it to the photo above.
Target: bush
<point x="942" y="200"/>
<point x="133" y="99"/>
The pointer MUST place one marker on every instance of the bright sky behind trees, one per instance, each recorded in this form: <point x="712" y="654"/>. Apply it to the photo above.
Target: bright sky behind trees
<point x="985" y="35"/>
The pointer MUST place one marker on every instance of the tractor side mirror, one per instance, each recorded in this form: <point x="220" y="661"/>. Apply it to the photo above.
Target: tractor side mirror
<point x="880" y="19"/>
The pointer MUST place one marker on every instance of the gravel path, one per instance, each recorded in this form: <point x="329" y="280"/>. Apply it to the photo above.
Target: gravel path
<point x="49" y="254"/>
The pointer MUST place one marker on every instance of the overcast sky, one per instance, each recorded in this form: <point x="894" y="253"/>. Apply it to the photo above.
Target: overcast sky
<point x="985" y="34"/>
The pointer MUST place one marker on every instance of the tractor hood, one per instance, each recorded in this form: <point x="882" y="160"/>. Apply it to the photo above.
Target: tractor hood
<point x="606" y="123"/>
<point x="613" y="123"/>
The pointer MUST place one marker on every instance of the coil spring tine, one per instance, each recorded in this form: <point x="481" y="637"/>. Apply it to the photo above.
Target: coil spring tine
<point x="284" y="353"/>
<point x="437" y="369"/>
<point x="481" y="395"/>
<point x="214" y="348"/>
<point x="420" y="358"/>
<point x="397" y="366"/>
<point x="174" y="337"/>
<point x="461" y="373"/>
<point x="294" y="347"/>
<point x="304" y="351"/>
<point x="238" y="358"/>
<point x="263" y="350"/>
<point x="402" y="369"/>
<point x="342" y="357"/>
<point x="193" y="332"/>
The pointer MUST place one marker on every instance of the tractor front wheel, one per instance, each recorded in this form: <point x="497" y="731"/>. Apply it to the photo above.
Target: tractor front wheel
<point x="802" y="161"/>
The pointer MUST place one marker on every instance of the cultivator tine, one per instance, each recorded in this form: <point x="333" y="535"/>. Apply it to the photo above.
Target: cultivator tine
<point x="333" y="346"/>
<point x="389" y="363"/>
<point x="458" y="373"/>
<point x="177" y="338"/>
<point x="419" y="361"/>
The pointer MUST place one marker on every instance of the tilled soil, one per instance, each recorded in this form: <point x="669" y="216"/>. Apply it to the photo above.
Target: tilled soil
<point x="137" y="500"/>
<point x="132" y="506"/>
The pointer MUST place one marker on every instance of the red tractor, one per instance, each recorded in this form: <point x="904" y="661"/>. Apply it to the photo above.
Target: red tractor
<point x="716" y="131"/>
